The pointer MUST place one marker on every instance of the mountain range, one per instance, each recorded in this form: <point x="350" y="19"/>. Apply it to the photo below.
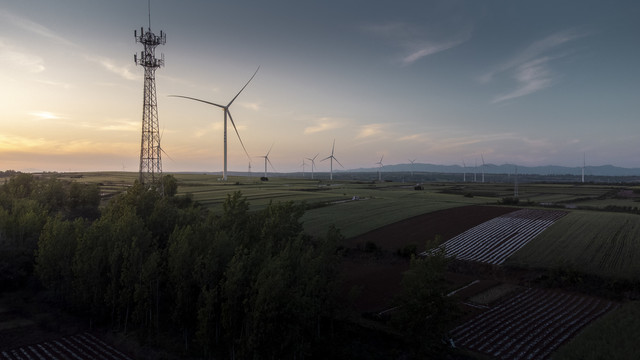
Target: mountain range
<point x="602" y="170"/>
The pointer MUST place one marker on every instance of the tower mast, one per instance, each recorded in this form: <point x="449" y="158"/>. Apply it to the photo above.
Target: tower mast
<point x="150" y="150"/>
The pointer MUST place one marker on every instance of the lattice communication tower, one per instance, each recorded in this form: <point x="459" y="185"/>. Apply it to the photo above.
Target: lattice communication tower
<point x="150" y="150"/>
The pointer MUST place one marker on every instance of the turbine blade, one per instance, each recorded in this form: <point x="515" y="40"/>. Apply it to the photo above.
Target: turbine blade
<point x="204" y="101"/>
<point x="315" y="156"/>
<point x="333" y="147"/>
<point x="237" y="133"/>
<point x="268" y="152"/>
<point x="328" y="157"/>
<point x="338" y="162"/>
<point x="245" y="85"/>
<point x="170" y="158"/>
<point x="269" y="161"/>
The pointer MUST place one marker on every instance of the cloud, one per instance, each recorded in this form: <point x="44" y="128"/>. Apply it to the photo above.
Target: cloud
<point x="46" y="115"/>
<point x="531" y="67"/>
<point x="417" y="42"/>
<point x="15" y="58"/>
<point x="252" y="106"/>
<point x="121" y="125"/>
<point x="531" y="77"/>
<point x="109" y="65"/>
<point x="324" y="124"/>
<point x="428" y="48"/>
<point x="33" y="27"/>
<point x="370" y="130"/>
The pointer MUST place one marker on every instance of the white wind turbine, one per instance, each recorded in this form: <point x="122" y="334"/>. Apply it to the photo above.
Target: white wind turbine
<point x="313" y="164"/>
<point x="331" y="157"/>
<point x="303" y="165"/>
<point x="266" y="159"/>
<point x="464" y="177"/>
<point x="380" y="165"/>
<point x="482" y="157"/>
<point x="225" y="108"/>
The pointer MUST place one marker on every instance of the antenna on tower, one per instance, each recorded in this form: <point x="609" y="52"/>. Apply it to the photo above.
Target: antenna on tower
<point x="150" y="150"/>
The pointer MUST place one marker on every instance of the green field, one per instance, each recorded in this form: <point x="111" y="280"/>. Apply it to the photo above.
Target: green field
<point x="613" y="336"/>
<point x="600" y="243"/>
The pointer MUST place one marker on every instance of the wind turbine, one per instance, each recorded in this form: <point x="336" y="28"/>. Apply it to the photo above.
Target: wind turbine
<point x="584" y="163"/>
<point x="266" y="159"/>
<point x="464" y="177"/>
<point x="379" y="168"/>
<point x="332" y="158"/>
<point x="482" y="157"/>
<point x="225" y="108"/>
<point x="313" y="164"/>
<point x="515" y="186"/>
<point x="303" y="165"/>
<point x="412" y="161"/>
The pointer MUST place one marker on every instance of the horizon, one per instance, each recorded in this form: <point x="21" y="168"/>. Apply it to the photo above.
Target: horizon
<point x="438" y="81"/>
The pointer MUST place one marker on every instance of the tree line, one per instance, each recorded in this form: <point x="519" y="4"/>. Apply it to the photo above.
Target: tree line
<point x="235" y="284"/>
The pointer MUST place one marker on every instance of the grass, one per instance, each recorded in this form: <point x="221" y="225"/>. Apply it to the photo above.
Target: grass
<point x="613" y="336"/>
<point x="598" y="243"/>
<point x="379" y="208"/>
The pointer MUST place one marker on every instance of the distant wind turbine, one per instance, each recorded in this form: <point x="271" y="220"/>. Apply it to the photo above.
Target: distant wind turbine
<point x="584" y="163"/>
<point x="313" y="164"/>
<point x="225" y="108"/>
<point x="266" y="159"/>
<point x="303" y="165"/>
<point x="482" y="157"/>
<point x="464" y="177"/>
<point x="380" y="168"/>
<point x="331" y="157"/>
<point x="412" y="161"/>
<point x="515" y="186"/>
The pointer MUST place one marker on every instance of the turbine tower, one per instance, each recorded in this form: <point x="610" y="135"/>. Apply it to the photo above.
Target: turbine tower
<point x="584" y="163"/>
<point x="464" y="166"/>
<point x="313" y="164"/>
<point x="331" y="157"/>
<point x="412" y="161"/>
<point x="227" y="112"/>
<point x="380" y="168"/>
<point x="150" y="150"/>
<point x="266" y="159"/>
<point x="482" y="157"/>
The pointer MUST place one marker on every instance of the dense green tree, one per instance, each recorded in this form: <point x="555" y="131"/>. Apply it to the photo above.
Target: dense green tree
<point x="55" y="254"/>
<point x="169" y="185"/>
<point x="424" y="311"/>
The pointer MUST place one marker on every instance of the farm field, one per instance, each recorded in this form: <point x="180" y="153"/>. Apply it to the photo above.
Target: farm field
<point x="495" y="240"/>
<point x="531" y="325"/>
<point x="623" y="331"/>
<point x="379" y="209"/>
<point x="600" y="243"/>
<point x="79" y="346"/>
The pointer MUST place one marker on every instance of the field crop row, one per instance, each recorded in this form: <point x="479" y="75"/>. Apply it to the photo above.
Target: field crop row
<point x="600" y="243"/>
<point x="530" y="325"/>
<point x="495" y="240"/>
<point x="80" y="346"/>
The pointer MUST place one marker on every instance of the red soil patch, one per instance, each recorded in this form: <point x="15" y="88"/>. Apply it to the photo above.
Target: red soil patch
<point x="372" y="282"/>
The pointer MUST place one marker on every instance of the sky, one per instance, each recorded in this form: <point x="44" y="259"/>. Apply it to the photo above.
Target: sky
<point x="443" y="82"/>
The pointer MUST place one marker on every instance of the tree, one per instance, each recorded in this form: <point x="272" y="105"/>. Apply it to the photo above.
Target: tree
<point x="169" y="185"/>
<point x="54" y="256"/>
<point x="424" y="310"/>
